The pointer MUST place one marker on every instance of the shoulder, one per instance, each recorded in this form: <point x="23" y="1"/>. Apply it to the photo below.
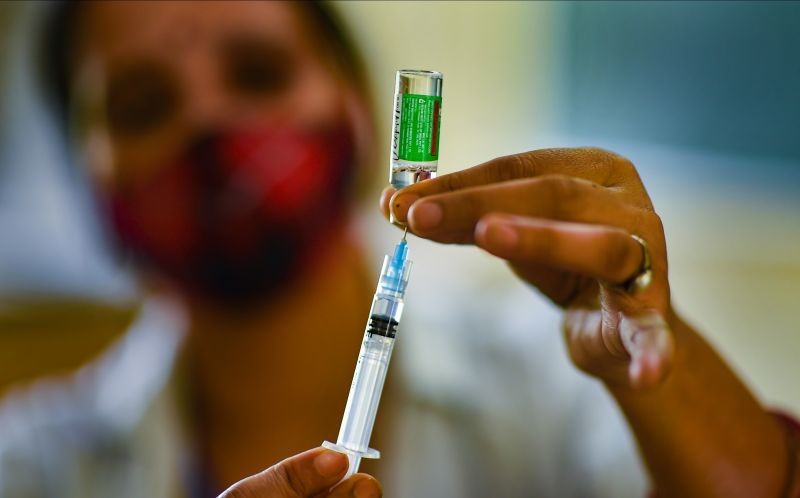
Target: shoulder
<point x="59" y="431"/>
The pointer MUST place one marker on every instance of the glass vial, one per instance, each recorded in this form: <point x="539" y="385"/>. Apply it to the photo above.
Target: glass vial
<point x="415" y="129"/>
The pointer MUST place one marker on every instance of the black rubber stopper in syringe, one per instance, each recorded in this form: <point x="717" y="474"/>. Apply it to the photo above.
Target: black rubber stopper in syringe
<point x="382" y="325"/>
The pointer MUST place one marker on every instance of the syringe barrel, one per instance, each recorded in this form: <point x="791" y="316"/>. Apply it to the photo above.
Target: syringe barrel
<point x="373" y="358"/>
<point x="416" y="124"/>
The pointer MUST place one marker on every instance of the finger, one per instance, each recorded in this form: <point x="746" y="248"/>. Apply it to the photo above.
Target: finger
<point x="587" y="329"/>
<point x="359" y="486"/>
<point x="649" y="341"/>
<point x="303" y="475"/>
<point x="451" y="217"/>
<point x="595" y="165"/>
<point x="386" y="197"/>
<point x="563" y="288"/>
<point x="606" y="253"/>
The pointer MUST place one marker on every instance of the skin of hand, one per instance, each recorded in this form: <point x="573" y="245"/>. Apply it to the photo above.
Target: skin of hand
<point x="562" y="219"/>
<point x="314" y="473"/>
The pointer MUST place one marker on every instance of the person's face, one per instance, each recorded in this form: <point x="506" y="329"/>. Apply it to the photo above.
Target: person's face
<point x="152" y="75"/>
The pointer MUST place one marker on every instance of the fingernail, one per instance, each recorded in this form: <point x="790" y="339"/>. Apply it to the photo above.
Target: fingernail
<point x="426" y="215"/>
<point x="329" y="463"/>
<point x="398" y="224"/>
<point x="398" y="210"/>
<point x="394" y="221"/>
<point x="366" y="488"/>
<point x="646" y="371"/>
<point x="635" y="372"/>
<point x="502" y="237"/>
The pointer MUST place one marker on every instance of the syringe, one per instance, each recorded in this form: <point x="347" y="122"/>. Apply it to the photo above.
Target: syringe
<point x="373" y="360"/>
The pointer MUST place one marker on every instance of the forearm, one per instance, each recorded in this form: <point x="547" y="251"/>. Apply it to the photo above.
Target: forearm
<point x="701" y="432"/>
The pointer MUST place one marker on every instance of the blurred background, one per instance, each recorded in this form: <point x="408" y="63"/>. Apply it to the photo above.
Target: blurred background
<point x="702" y="97"/>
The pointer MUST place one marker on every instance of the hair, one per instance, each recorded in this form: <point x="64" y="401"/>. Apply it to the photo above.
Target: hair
<point x="58" y="44"/>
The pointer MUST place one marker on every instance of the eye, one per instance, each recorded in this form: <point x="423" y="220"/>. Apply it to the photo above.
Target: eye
<point x="256" y="68"/>
<point x="140" y="98"/>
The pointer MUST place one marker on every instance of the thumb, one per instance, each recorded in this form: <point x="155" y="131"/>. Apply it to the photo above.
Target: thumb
<point x="650" y="343"/>
<point x="300" y="476"/>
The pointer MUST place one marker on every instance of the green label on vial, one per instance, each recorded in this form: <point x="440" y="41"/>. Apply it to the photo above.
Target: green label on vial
<point x="418" y="138"/>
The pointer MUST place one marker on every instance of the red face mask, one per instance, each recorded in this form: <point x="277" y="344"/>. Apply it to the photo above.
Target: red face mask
<point x="238" y="214"/>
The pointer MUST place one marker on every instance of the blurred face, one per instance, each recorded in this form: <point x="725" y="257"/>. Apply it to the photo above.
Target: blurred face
<point x="151" y="75"/>
<point x="222" y="135"/>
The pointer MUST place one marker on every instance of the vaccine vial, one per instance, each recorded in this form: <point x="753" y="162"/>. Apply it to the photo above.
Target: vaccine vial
<point x="415" y="129"/>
